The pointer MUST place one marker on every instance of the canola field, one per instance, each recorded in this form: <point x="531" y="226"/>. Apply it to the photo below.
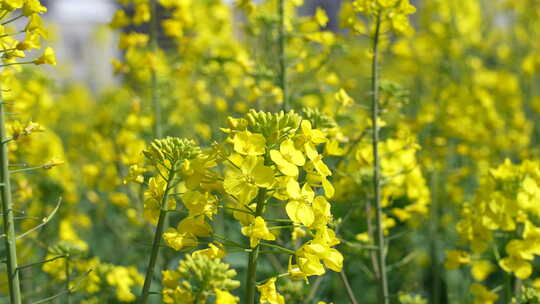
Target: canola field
<point x="275" y="151"/>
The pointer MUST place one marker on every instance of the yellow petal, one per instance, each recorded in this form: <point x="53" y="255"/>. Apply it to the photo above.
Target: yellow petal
<point x="481" y="269"/>
<point x="293" y="189"/>
<point x="248" y="143"/>
<point x="284" y="166"/>
<point x="329" y="190"/>
<point x="333" y="259"/>
<point x="299" y="212"/>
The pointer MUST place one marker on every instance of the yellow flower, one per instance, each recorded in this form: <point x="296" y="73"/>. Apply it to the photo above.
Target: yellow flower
<point x="225" y="297"/>
<point x="120" y="19"/>
<point x="196" y="226"/>
<point x="269" y="294"/>
<point x="343" y="98"/>
<point x="178" y="240"/>
<point x="454" y="259"/>
<point x="536" y="284"/>
<point x="153" y="197"/>
<point x="258" y="231"/>
<point x="123" y="278"/>
<point x="31" y="41"/>
<point x="131" y="40"/>
<point x="244" y="180"/>
<point x="170" y="278"/>
<point x="321" y="209"/>
<point x="481" y="269"/>
<point x="393" y="12"/>
<point x="172" y="28"/>
<point x="33" y="7"/>
<point x="288" y="158"/>
<point x="214" y="251"/>
<point x="309" y="256"/>
<point x="333" y="148"/>
<point x="142" y="13"/>
<point x="295" y="273"/>
<point x="317" y="173"/>
<point x="35" y="24"/>
<point x="363" y="237"/>
<point x="48" y="57"/>
<point x="311" y="138"/>
<point x="482" y="295"/>
<point x="321" y="17"/>
<point x="11" y="5"/>
<point x="119" y="199"/>
<point x="247" y="143"/>
<point x="514" y="264"/>
<point x="200" y="203"/>
<point x="299" y="207"/>
<point x="310" y="264"/>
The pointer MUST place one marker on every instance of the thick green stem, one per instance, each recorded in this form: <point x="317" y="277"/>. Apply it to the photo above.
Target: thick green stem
<point x="7" y="213"/>
<point x="383" y="282"/>
<point x="154" y="30"/>
<point x="508" y="293"/>
<point x="157" y="239"/>
<point x="282" y="63"/>
<point x="251" y="277"/>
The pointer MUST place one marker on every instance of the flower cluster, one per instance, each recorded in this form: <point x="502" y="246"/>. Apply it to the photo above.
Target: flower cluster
<point x="504" y="210"/>
<point x="200" y="277"/>
<point x="276" y="156"/>
<point x="392" y="15"/>
<point x="34" y="31"/>
<point x="67" y="260"/>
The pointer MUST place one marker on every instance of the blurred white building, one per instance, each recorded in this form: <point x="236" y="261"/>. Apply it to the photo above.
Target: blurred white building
<point x="85" y="47"/>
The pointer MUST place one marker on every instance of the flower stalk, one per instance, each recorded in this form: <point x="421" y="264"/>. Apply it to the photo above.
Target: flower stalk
<point x="7" y="213"/>
<point x="158" y="130"/>
<point x="157" y="237"/>
<point x="282" y="62"/>
<point x="383" y="282"/>
<point x="251" y="277"/>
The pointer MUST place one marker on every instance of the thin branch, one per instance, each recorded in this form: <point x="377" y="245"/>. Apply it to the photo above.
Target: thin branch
<point x="13" y="19"/>
<point x="69" y="290"/>
<point x="348" y="288"/>
<point x="41" y="262"/>
<point x="44" y="222"/>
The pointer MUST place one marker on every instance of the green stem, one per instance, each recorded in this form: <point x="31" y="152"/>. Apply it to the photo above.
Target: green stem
<point x="383" y="282"/>
<point x="11" y="34"/>
<point x="41" y="262"/>
<point x="434" y="243"/>
<point x="16" y="63"/>
<point x="282" y="63"/>
<point x="282" y="249"/>
<point x="68" y="294"/>
<point x="157" y="239"/>
<point x="7" y="213"/>
<point x="12" y="19"/>
<point x="46" y="166"/>
<point x="226" y="240"/>
<point x="154" y="30"/>
<point x="348" y="289"/>
<point x="254" y="255"/>
<point x="508" y="288"/>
